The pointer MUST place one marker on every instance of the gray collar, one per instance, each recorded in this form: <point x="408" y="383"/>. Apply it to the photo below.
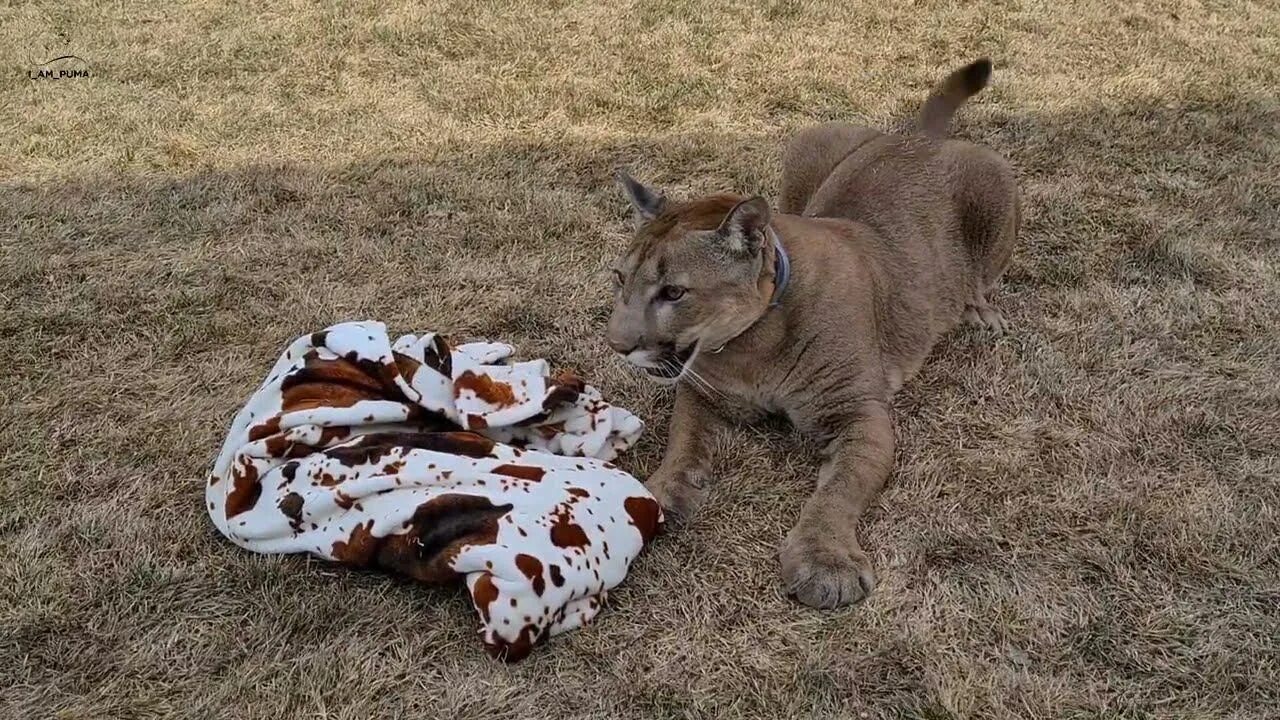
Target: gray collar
<point x="781" y="277"/>
<point x="781" y="268"/>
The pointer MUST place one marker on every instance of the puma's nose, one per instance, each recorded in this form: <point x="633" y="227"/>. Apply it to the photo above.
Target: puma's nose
<point x="623" y="347"/>
<point x="623" y="336"/>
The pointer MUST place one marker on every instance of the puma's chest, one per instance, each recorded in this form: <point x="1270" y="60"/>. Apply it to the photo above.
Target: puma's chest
<point x="749" y="394"/>
<point x="810" y="393"/>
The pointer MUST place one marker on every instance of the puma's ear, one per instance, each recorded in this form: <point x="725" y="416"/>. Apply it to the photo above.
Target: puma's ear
<point x="648" y="202"/>
<point x="743" y="228"/>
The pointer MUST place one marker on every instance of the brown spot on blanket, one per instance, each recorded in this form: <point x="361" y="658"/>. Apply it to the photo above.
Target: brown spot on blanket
<point x="483" y="594"/>
<point x="372" y="447"/>
<point x="565" y="388"/>
<point x="465" y="443"/>
<point x="524" y="472"/>
<point x="517" y="650"/>
<point x="280" y="446"/>
<point x="405" y="365"/>
<point x="566" y="534"/>
<point x="532" y="569"/>
<point x="330" y="434"/>
<point x="438" y="357"/>
<point x="485" y="388"/>
<point x="245" y="488"/>
<point x="438" y="531"/>
<point x="329" y="383"/>
<point x="644" y="514"/>
<point x="359" y="547"/>
<point x="266" y="429"/>
<point x="291" y="506"/>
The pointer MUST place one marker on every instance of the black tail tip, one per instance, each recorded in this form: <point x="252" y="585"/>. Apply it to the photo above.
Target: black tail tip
<point x="976" y="74"/>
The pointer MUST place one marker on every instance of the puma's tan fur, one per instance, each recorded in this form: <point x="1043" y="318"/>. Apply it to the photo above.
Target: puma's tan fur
<point x="893" y="239"/>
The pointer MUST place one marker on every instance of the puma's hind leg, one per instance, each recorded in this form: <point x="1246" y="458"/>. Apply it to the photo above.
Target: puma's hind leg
<point x="992" y="264"/>
<point x="987" y="192"/>
<point x="811" y="156"/>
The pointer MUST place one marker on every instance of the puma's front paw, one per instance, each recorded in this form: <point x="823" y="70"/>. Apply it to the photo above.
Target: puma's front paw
<point x="680" y="493"/>
<point x="987" y="316"/>
<point x="821" y="571"/>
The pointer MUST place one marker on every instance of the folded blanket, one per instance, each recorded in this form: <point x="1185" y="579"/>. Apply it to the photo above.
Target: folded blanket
<point x="437" y="462"/>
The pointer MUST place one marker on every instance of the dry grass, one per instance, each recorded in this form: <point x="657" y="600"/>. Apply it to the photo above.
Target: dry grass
<point x="1084" y="517"/>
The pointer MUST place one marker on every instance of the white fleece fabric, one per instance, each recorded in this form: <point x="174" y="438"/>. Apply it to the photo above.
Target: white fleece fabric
<point x="439" y="463"/>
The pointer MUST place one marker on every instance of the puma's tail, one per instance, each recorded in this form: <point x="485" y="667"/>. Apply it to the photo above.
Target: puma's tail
<point x="950" y="94"/>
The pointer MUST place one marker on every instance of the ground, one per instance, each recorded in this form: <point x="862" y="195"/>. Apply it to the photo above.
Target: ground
<point x="1083" y="519"/>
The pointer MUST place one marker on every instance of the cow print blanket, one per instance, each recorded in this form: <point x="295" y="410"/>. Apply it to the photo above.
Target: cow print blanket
<point x="438" y="462"/>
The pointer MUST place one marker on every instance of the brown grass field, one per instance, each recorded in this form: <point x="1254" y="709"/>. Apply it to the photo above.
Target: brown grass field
<point x="1085" y="514"/>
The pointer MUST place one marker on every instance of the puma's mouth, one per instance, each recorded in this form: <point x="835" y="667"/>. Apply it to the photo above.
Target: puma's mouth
<point x="671" y="365"/>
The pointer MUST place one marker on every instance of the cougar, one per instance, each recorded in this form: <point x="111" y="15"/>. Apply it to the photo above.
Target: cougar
<point x="819" y="312"/>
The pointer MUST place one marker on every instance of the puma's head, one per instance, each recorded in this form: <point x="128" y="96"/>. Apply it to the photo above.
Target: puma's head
<point x="691" y="280"/>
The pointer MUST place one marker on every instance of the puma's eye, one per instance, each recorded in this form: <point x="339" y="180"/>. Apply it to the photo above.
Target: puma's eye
<point x="671" y="293"/>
